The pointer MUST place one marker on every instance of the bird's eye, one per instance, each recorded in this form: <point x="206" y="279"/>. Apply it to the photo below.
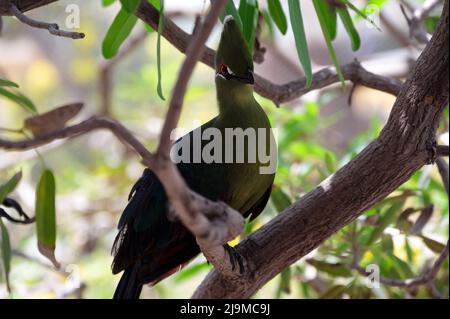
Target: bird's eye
<point x="223" y="69"/>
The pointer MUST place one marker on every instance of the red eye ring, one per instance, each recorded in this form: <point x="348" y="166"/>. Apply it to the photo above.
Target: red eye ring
<point x="223" y="69"/>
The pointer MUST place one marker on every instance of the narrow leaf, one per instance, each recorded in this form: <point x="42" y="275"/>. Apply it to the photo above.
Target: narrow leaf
<point x="300" y="39"/>
<point x="118" y="32"/>
<point x="230" y="9"/>
<point x="280" y="199"/>
<point x="322" y="13"/>
<point x="191" y="271"/>
<point x="423" y="219"/>
<point x="432" y="244"/>
<point x="46" y="216"/>
<point x="107" y="3"/>
<point x="19" y="99"/>
<point x="130" y="5"/>
<point x="334" y="292"/>
<point x="285" y="281"/>
<point x="8" y="83"/>
<point x="158" y="51"/>
<point x="362" y="14"/>
<point x="248" y="11"/>
<point x="350" y="28"/>
<point x="278" y="16"/>
<point x="6" y="252"/>
<point x="388" y="217"/>
<point x="336" y="270"/>
<point x="9" y="186"/>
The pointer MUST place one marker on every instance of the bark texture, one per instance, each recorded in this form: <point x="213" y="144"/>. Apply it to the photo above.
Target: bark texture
<point x="406" y="143"/>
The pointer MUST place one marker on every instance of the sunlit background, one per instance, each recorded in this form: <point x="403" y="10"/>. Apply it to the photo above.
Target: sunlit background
<point x="317" y="134"/>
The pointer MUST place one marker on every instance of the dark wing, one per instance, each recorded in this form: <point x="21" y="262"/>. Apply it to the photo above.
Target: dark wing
<point x="259" y="205"/>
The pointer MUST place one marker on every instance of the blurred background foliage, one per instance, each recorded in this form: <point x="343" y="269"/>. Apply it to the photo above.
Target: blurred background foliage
<point x="317" y="135"/>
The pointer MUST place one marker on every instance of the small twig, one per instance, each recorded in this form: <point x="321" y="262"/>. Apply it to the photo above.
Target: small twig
<point x="22" y="255"/>
<point x="443" y="171"/>
<point x="106" y="70"/>
<point x="416" y="21"/>
<point x="433" y="291"/>
<point x="11" y="203"/>
<point x="53" y="28"/>
<point x="442" y="150"/>
<point x="424" y="279"/>
<point x="278" y="93"/>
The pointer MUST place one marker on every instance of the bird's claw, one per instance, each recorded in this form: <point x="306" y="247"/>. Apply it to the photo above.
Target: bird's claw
<point x="235" y="257"/>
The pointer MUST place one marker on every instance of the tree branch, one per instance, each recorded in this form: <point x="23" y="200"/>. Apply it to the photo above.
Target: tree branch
<point x="278" y="93"/>
<point x="107" y="68"/>
<point x="401" y="149"/>
<point x="23" y="5"/>
<point x="416" y="21"/>
<point x="210" y="234"/>
<point x="53" y="28"/>
<point x="442" y="150"/>
<point x="426" y="278"/>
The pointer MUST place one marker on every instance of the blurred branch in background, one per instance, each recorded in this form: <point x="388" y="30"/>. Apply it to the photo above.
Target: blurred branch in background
<point x="416" y="22"/>
<point x="425" y="279"/>
<point x="53" y="28"/>
<point x="107" y="70"/>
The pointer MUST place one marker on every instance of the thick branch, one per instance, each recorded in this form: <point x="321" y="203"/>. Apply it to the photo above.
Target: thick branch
<point x="278" y="93"/>
<point x="23" y="5"/>
<point x="404" y="146"/>
<point x="213" y="223"/>
<point x="210" y="234"/>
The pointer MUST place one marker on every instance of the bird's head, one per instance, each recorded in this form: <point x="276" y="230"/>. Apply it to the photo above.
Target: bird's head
<point x="234" y="64"/>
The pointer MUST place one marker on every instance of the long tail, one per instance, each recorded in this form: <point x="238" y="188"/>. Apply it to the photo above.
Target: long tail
<point x="129" y="286"/>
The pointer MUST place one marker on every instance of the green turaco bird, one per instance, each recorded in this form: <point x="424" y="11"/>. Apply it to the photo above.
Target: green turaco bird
<point x="151" y="246"/>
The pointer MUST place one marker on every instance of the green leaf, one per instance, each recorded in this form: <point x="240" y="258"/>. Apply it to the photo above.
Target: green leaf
<point x="280" y="199"/>
<point x="130" y="5"/>
<point x="270" y="29"/>
<point x="335" y="270"/>
<point x="156" y="3"/>
<point x="402" y="267"/>
<point x="118" y="32"/>
<point x="6" y="252"/>
<point x="278" y="16"/>
<point x="330" y="19"/>
<point x="46" y="216"/>
<point x="360" y="13"/>
<point x="285" y="281"/>
<point x="432" y="244"/>
<point x="158" y="51"/>
<point x="334" y="292"/>
<point x="322" y="12"/>
<point x="330" y="161"/>
<point x="389" y="216"/>
<point x="248" y="11"/>
<point x="191" y="271"/>
<point x="9" y="186"/>
<point x="301" y="44"/>
<point x="8" y="83"/>
<point x="19" y="99"/>
<point x="107" y="3"/>
<point x="230" y="9"/>
<point x="350" y="28"/>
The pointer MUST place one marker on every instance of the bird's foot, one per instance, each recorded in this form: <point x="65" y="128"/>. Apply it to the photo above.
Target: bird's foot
<point x="235" y="258"/>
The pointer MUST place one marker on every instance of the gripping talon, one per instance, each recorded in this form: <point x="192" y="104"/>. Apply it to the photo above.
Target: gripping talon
<point x="235" y="257"/>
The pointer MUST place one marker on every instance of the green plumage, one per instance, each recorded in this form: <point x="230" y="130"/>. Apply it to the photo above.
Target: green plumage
<point x="149" y="247"/>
